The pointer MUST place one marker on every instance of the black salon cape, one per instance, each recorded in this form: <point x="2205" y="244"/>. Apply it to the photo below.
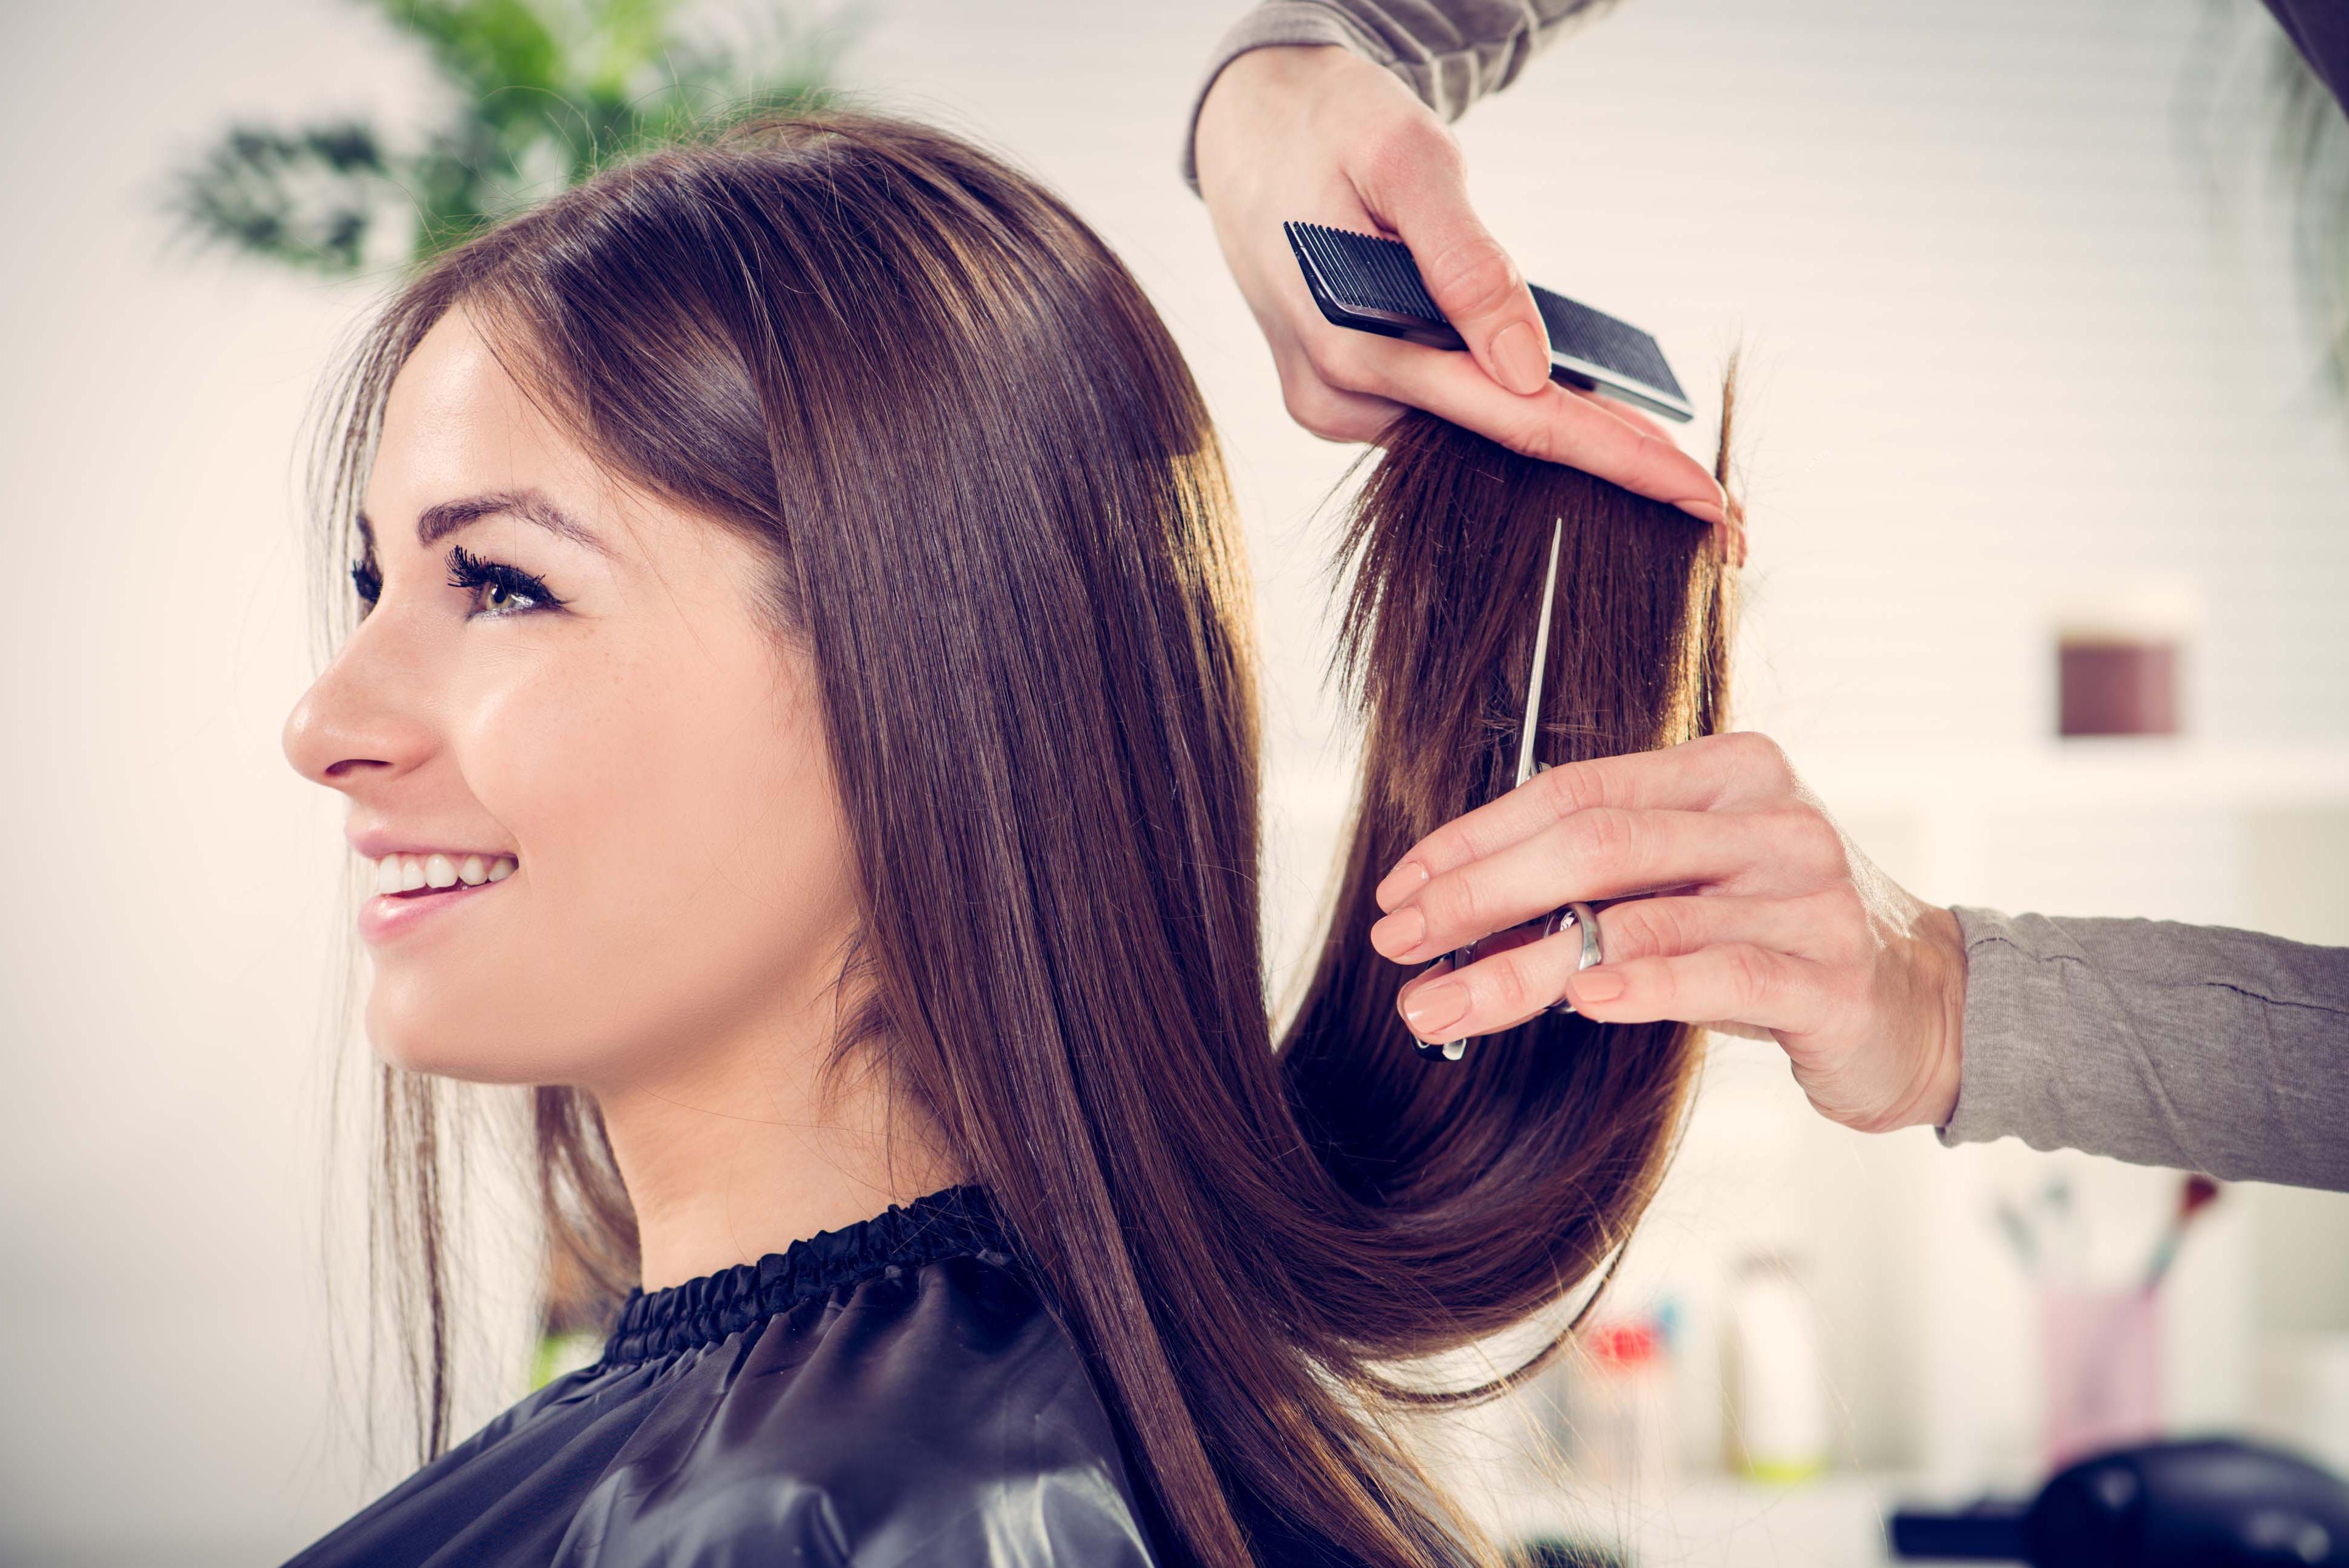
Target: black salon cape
<point x="886" y="1393"/>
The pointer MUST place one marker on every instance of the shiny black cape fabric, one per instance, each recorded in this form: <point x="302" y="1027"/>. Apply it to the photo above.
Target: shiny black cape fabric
<point x="891" y="1392"/>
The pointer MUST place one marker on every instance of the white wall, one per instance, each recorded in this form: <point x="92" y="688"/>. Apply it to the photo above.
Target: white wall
<point x="2002" y="350"/>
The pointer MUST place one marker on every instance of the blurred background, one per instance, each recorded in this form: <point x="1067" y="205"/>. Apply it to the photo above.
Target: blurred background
<point x="2039" y="434"/>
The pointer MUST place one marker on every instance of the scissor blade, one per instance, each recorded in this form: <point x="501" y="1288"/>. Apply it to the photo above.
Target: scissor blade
<point x="1532" y="725"/>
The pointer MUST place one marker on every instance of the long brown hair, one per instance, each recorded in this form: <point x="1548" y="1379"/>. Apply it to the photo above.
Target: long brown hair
<point x="1508" y="1177"/>
<point x="994" y="515"/>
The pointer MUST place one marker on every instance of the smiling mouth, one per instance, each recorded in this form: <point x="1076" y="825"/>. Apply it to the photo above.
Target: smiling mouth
<point x="381" y="921"/>
<point x="405" y="875"/>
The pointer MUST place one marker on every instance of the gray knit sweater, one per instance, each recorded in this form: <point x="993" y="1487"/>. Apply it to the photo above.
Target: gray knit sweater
<point x="2193" y="1046"/>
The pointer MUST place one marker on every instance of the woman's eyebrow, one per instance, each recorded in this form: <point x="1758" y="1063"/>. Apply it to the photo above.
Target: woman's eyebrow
<point x="441" y="518"/>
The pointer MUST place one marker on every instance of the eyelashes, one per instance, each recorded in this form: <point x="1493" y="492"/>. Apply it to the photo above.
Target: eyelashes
<point x="523" y="592"/>
<point x="468" y="571"/>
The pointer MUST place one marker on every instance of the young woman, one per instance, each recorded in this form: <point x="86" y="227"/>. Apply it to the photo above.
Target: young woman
<point x="801" y="718"/>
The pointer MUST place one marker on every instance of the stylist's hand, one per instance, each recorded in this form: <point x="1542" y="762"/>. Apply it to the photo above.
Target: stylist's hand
<point x="1773" y="924"/>
<point x="1317" y="132"/>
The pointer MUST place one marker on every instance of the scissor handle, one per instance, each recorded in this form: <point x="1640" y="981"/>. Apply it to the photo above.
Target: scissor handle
<point x="1452" y="1050"/>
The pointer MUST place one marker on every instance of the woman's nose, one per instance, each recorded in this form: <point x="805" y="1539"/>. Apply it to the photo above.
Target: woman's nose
<point x="358" y="717"/>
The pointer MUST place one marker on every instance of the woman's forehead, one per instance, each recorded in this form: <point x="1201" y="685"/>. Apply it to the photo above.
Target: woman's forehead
<point x="457" y="420"/>
<point x="462" y="440"/>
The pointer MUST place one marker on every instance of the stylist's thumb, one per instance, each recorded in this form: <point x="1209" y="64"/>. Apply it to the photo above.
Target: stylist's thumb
<point x="1420" y="191"/>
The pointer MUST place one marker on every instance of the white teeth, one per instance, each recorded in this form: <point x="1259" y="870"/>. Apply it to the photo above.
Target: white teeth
<point x="406" y="873"/>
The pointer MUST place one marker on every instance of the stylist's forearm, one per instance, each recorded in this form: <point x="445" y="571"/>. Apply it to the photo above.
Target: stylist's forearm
<point x="2198" y="1048"/>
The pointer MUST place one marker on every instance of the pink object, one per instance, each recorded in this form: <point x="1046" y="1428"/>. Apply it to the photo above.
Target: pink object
<point x="2118" y="688"/>
<point x="2102" y="1369"/>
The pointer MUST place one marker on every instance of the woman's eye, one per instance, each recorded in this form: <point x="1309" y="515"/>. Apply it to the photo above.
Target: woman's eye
<point x="499" y="589"/>
<point x="500" y="600"/>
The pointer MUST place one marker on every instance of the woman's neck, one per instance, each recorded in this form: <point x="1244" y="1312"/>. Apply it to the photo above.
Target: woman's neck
<point x="731" y="1158"/>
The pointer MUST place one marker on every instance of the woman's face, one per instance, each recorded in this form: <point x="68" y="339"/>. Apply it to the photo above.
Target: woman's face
<point x="630" y="738"/>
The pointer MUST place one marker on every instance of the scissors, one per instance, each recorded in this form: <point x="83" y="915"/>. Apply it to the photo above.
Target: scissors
<point x="1577" y="914"/>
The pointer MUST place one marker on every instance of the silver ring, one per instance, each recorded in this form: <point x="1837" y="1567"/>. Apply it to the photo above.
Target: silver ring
<point x="1583" y="915"/>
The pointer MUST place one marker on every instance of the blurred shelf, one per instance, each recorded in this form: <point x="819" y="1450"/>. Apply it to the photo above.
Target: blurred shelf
<point x="2119" y="771"/>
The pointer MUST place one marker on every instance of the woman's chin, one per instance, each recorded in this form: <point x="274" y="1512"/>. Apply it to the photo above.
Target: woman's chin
<point x="444" y="1049"/>
<point x="440" y="1059"/>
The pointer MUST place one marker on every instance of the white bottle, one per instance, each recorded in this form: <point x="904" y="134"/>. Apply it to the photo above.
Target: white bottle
<point x="1778" y="1426"/>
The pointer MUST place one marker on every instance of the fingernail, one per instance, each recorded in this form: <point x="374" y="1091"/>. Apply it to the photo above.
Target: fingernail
<point x="1597" y="986"/>
<point x="1436" y="1006"/>
<point x="1705" y="512"/>
<point x="1518" y="356"/>
<point x="1399" y="932"/>
<point x="1401" y="884"/>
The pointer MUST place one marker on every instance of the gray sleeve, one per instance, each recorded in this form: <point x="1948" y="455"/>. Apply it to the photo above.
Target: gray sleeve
<point x="1450" y="52"/>
<point x="2197" y="1047"/>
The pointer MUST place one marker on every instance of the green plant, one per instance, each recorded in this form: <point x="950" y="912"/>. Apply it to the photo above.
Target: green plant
<point x="545" y="92"/>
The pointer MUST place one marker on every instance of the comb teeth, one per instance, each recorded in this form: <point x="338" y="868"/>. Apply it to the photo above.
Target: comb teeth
<point x="1371" y="283"/>
<point x="1597" y="338"/>
<point x="1368" y="273"/>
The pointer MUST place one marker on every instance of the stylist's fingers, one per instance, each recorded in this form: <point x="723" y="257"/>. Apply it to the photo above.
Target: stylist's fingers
<point x="1606" y="853"/>
<point x="1415" y="183"/>
<point x="1556" y="424"/>
<point x="1624" y="411"/>
<point x="1516" y="975"/>
<point x="1739" y="981"/>
<point x="1829" y="926"/>
<point x="1638" y="419"/>
<point x="1743" y="771"/>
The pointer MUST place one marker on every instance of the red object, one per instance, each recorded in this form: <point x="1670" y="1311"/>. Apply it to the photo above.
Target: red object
<point x="2195" y="1195"/>
<point x="1623" y="1344"/>
<point x="2199" y="1189"/>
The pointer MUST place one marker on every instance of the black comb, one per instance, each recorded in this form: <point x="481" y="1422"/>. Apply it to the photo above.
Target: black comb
<point x="1373" y="285"/>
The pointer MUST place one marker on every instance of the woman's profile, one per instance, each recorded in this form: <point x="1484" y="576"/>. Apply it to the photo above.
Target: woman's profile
<point x="802" y="716"/>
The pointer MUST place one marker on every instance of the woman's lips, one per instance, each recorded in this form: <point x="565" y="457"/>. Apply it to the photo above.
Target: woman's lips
<point x="389" y="914"/>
